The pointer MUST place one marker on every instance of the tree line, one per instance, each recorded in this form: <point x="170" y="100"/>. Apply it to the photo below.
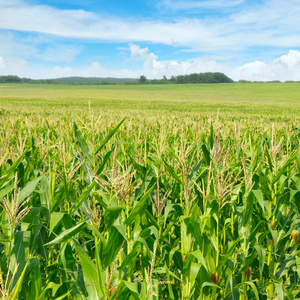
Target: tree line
<point x="208" y="77"/>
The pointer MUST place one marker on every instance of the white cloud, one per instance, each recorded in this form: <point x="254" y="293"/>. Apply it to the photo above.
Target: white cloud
<point x="286" y="67"/>
<point x="62" y="72"/>
<point x="256" y="70"/>
<point x="59" y="53"/>
<point x="2" y="63"/>
<point x="153" y="68"/>
<point x="12" y="66"/>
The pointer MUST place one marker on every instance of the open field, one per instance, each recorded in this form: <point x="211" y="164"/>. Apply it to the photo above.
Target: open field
<point x="249" y="98"/>
<point x="150" y="191"/>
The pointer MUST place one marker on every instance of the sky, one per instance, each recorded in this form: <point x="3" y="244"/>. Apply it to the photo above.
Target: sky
<point x="250" y="40"/>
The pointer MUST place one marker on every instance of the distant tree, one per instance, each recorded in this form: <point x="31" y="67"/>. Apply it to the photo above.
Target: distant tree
<point x="173" y="79"/>
<point x="142" y="79"/>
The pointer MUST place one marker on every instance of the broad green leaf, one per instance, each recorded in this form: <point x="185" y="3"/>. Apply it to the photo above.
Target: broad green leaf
<point x="178" y="261"/>
<point x="131" y="257"/>
<point x="111" y="214"/>
<point x="284" y="167"/>
<point x="56" y="217"/>
<point x="253" y="288"/>
<point x="6" y="191"/>
<point x="20" y="253"/>
<point x="9" y="174"/>
<point x="35" y="286"/>
<point x="90" y="275"/>
<point x="109" y="136"/>
<point x="82" y="144"/>
<point x="199" y="255"/>
<point x="262" y="257"/>
<point x="172" y="172"/>
<point x="126" y="290"/>
<point x="206" y="154"/>
<point x="112" y="247"/>
<point x="14" y="293"/>
<point x="67" y="234"/>
<point x="210" y="284"/>
<point x="259" y="197"/>
<point x="279" y="291"/>
<point x="29" y="188"/>
<point x="82" y="197"/>
<point x="50" y="286"/>
<point x="298" y="264"/>
<point x="269" y="158"/>
<point x="64" y="296"/>
<point x="140" y="208"/>
<point x="248" y="209"/>
<point x="105" y="159"/>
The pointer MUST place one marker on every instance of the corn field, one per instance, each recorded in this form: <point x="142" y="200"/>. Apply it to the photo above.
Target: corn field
<point x="174" y="206"/>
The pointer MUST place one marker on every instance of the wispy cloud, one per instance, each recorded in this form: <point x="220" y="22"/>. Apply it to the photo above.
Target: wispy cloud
<point x="49" y="37"/>
<point x="274" y="23"/>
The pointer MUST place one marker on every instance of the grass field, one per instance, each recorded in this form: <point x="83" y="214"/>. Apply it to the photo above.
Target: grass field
<point x="150" y="191"/>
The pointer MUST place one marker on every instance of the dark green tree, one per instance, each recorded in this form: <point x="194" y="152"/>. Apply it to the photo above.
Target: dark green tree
<point x="142" y="79"/>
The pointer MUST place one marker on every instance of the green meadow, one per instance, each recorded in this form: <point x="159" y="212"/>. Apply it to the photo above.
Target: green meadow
<point x="150" y="191"/>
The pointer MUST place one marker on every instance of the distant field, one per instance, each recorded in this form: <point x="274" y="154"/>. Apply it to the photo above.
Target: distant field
<point x="276" y="99"/>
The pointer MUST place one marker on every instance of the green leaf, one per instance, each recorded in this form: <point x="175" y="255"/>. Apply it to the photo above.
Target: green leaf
<point x="140" y="208"/>
<point x="126" y="290"/>
<point x="210" y="284"/>
<point x="29" y="188"/>
<point x="262" y="257"/>
<point x="199" y="255"/>
<point x="50" y="286"/>
<point x="178" y="261"/>
<point x="20" y="252"/>
<point x="11" y="171"/>
<point x="206" y="154"/>
<point x="224" y="258"/>
<point x="112" y="247"/>
<point x="105" y="159"/>
<point x="109" y="136"/>
<point x="111" y="214"/>
<point x="67" y="234"/>
<point x="89" y="269"/>
<point x="284" y="167"/>
<point x="63" y="296"/>
<point x="6" y="191"/>
<point x="55" y="220"/>
<point x="82" y="197"/>
<point x="253" y="288"/>
<point x="131" y="257"/>
<point x="35" y="285"/>
<point x="16" y="289"/>
<point x="82" y="144"/>
<point x="259" y="197"/>
<point x="298" y="265"/>
<point x="172" y="172"/>
<point x="269" y="159"/>
<point x="248" y="209"/>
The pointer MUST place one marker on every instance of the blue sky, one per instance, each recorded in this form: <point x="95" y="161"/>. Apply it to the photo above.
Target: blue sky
<point x="253" y="40"/>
